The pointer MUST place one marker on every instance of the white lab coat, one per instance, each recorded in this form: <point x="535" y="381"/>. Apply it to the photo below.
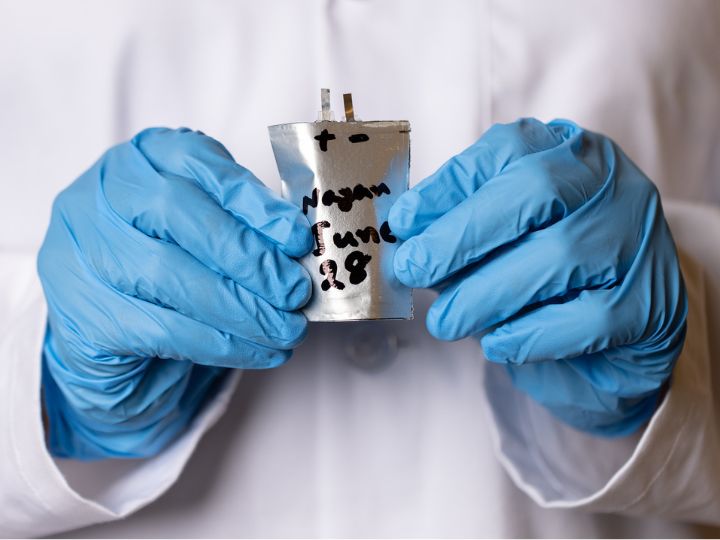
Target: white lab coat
<point x="411" y="436"/>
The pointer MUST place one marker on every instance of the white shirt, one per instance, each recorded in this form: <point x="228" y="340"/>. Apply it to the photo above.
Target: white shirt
<point x="437" y="442"/>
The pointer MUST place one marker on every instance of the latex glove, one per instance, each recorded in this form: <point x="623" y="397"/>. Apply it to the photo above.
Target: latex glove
<point x="548" y="240"/>
<point x="164" y="263"/>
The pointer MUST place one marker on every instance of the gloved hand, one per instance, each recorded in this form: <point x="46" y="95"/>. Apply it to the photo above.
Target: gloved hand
<point x="550" y="244"/>
<point x="163" y="264"/>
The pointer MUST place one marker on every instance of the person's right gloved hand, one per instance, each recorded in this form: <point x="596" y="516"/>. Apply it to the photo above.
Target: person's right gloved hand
<point x="164" y="263"/>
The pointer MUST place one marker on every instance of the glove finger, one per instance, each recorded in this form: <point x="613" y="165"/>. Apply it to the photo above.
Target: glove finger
<point x="530" y="194"/>
<point x="544" y="265"/>
<point x="466" y="172"/>
<point x="594" y="321"/>
<point x="594" y="337"/>
<point x="614" y="336"/>
<point x="194" y="155"/>
<point x="164" y="333"/>
<point x="115" y="333"/>
<point x="150" y="431"/>
<point x="164" y="274"/>
<point x="176" y="210"/>
<point x="105" y="396"/>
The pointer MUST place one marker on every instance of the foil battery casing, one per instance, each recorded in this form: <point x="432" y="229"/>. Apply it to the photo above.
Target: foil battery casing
<point x="346" y="176"/>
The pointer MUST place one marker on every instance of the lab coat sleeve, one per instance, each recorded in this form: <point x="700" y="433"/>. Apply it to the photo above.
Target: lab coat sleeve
<point x="670" y="469"/>
<point x="36" y="498"/>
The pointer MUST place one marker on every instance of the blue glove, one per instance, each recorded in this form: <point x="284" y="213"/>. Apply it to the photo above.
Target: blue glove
<point x="164" y="263"/>
<point x="548" y="243"/>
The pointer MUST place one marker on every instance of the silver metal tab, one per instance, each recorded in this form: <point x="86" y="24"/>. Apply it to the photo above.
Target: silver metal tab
<point x="325" y="111"/>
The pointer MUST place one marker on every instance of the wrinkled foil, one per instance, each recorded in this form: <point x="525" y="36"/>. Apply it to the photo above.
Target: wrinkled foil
<point x="346" y="176"/>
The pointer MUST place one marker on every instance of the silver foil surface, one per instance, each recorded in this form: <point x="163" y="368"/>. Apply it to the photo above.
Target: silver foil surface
<point x="346" y="176"/>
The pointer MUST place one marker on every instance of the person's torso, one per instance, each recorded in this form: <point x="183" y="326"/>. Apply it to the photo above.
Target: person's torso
<point x="372" y="428"/>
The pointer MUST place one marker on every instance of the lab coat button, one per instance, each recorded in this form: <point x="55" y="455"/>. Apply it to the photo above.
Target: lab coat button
<point x="371" y="347"/>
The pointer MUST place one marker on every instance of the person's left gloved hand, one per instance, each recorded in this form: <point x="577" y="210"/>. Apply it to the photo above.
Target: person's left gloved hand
<point x="550" y="244"/>
<point x="164" y="264"/>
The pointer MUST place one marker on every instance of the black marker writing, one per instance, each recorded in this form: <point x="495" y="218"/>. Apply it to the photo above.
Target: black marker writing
<point x="358" y="137"/>
<point x="329" y="270"/>
<point x="361" y="192"/>
<point x="310" y="201"/>
<point x="318" y="236"/>
<point x="365" y="235"/>
<point x="345" y="197"/>
<point x="355" y="264"/>
<point x="345" y="241"/>
<point x="387" y="234"/>
<point x="323" y="139"/>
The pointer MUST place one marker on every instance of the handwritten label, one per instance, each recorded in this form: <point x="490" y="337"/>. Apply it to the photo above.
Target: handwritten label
<point x="356" y="261"/>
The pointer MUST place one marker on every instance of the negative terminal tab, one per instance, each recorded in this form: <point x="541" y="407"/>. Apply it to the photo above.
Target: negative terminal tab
<point x="349" y="113"/>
